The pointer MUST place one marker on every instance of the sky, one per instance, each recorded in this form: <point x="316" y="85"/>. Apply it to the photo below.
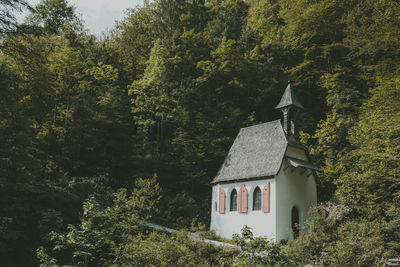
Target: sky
<point x="100" y="15"/>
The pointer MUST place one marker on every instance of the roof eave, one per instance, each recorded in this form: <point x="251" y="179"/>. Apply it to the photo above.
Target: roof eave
<point x="301" y="163"/>
<point x="242" y="179"/>
<point x="294" y="142"/>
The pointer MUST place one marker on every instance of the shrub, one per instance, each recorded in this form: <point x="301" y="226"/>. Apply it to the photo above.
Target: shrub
<point x="332" y="240"/>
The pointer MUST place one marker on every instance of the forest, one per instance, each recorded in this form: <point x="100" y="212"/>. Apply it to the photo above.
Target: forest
<point x="100" y="133"/>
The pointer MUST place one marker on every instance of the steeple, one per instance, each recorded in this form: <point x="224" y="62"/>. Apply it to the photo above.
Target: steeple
<point x="288" y="101"/>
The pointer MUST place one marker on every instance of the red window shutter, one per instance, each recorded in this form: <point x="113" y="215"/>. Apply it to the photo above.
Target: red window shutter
<point x="240" y="199"/>
<point x="243" y="199"/>
<point x="265" y="197"/>
<point x="221" y="201"/>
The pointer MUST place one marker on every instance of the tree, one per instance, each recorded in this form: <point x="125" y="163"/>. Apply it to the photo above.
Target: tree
<point x="155" y="101"/>
<point x="55" y="17"/>
<point x="331" y="136"/>
<point x="371" y="180"/>
<point x="7" y="13"/>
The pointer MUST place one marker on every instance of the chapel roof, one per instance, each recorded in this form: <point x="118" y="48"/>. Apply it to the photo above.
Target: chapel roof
<point x="301" y="163"/>
<point x="258" y="151"/>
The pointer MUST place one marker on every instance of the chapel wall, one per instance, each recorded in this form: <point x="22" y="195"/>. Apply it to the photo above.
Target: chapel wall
<point x="261" y="223"/>
<point x="295" y="187"/>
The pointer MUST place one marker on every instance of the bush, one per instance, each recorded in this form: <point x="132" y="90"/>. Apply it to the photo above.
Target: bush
<point x="257" y="251"/>
<point x="332" y="240"/>
<point x="108" y="220"/>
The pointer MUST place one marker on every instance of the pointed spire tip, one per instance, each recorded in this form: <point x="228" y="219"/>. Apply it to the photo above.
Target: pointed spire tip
<point x="289" y="99"/>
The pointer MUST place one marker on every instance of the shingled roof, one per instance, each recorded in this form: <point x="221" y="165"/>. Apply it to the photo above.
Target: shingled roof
<point x="257" y="151"/>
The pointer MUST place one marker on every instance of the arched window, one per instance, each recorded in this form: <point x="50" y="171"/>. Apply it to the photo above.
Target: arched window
<point x="234" y="200"/>
<point x="257" y="199"/>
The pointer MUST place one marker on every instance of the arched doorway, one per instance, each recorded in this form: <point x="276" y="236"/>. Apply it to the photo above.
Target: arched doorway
<point x="295" y="222"/>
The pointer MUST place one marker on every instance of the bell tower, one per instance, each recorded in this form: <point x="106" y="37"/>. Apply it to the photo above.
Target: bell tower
<point x="288" y="101"/>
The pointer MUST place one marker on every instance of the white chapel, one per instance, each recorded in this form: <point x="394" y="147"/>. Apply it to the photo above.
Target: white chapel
<point x="266" y="182"/>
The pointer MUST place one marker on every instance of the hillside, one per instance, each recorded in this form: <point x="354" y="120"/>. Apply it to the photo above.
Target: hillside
<point x="163" y="94"/>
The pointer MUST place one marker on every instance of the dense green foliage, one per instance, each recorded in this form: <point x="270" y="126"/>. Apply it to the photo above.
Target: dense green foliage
<point x="165" y="92"/>
<point x="111" y="232"/>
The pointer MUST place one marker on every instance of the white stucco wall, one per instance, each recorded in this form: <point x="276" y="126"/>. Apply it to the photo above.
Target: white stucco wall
<point x="262" y="224"/>
<point x="293" y="188"/>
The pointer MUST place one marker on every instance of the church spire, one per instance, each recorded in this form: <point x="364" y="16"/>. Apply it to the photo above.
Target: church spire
<point x="288" y="101"/>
